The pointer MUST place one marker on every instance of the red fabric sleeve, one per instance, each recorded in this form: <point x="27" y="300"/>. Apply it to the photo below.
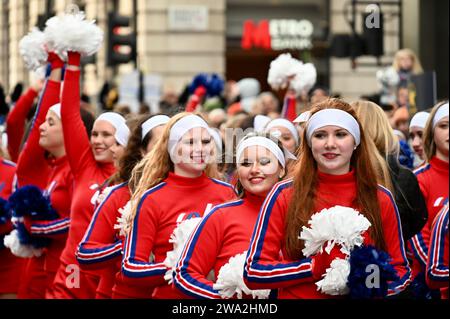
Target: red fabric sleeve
<point x="76" y="140"/>
<point x="15" y="122"/>
<point x="33" y="155"/>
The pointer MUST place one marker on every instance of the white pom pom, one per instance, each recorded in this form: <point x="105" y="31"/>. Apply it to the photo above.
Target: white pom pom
<point x="387" y="77"/>
<point x="179" y="238"/>
<point x="32" y="49"/>
<point x="24" y="251"/>
<point x="39" y="74"/>
<point x="281" y="69"/>
<point x="335" y="279"/>
<point x="336" y="225"/>
<point x="122" y="220"/>
<point x="304" y="79"/>
<point x="72" y="32"/>
<point x="230" y="281"/>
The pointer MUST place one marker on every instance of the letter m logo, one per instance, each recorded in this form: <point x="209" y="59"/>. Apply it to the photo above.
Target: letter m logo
<point x="257" y="36"/>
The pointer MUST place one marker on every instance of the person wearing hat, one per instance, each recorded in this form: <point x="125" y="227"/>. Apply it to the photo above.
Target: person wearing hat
<point x="101" y="246"/>
<point x="433" y="179"/>
<point x="416" y="128"/>
<point x="225" y="232"/>
<point x="176" y="182"/>
<point x="336" y="168"/>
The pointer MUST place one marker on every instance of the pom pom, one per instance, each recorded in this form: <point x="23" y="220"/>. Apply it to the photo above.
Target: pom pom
<point x="72" y="32"/>
<point x="212" y="83"/>
<point x="304" y="79"/>
<point x="334" y="280"/>
<point x="32" y="48"/>
<point x="378" y="261"/>
<point x="123" y="219"/>
<point x="5" y="215"/>
<point x="230" y="281"/>
<point x="387" y="77"/>
<point x="100" y="195"/>
<point x="281" y="70"/>
<point x="178" y="238"/>
<point x="336" y="225"/>
<point x="13" y="242"/>
<point x="406" y="156"/>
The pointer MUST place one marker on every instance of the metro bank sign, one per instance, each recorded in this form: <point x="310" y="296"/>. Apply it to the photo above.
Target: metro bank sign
<point x="277" y="34"/>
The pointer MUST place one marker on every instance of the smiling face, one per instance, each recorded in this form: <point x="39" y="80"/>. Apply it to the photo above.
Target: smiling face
<point x="102" y="138"/>
<point x="440" y="137"/>
<point x="332" y="148"/>
<point x="416" y="135"/>
<point x="258" y="170"/>
<point x="193" y="152"/>
<point x="51" y="135"/>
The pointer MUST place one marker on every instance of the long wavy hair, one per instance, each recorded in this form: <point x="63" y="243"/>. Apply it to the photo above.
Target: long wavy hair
<point x="305" y="182"/>
<point x="155" y="167"/>
<point x="429" y="146"/>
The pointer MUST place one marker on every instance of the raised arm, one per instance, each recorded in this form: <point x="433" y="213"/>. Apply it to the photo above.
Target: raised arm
<point x="76" y="140"/>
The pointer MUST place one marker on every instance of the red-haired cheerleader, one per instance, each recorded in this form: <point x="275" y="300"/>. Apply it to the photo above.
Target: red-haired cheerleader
<point x="175" y="184"/>
<point x="336" y="168"/>
<point x="437" y="265"/>
<point x="101" y="247"/>
<point x="226" y="231"/>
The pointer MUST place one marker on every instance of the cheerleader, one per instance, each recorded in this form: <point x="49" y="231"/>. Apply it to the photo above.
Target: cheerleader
<point x="10" y="266"/>
<point x="176" y="185"/>
<point x="101" y="247"/>
<point x="336" y="168"/>
<point x="416" y="128"/>
<point x="227" y="229"/>
<point x="437" y="265"/>
<point x="433" y="179"/>
<point x="44" y="150"/>
<point x="91" y="163"/>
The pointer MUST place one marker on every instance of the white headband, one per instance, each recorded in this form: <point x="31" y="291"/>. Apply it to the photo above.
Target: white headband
<point x="118" y="121"/>
<point x="56" y="109"/>
<point x="182" y="127"/>
<point x="284" y="123"/>
<point x="260" y="122"/>
<point x="303" y="117"/>
<point x="217" y="138"/>
<point x="333" y="117"/>
<point x="264" y="142"/>
<point x="440" y="114"/>
<point x="419" y="120"/>
<point x="122" y="134"/>
<point x="153" y="122"/>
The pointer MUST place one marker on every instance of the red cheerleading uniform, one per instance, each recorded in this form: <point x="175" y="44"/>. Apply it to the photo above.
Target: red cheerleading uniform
<point x="10" y="266"/>
<point x="175" y="199"/>
<point x="55" y="177"/>
<point x="433" y="182"/>
<point x="222" y="234"/>
<point x="101" y="247"/>
<point x="437" y="274"/>
<point x="87" y="174"/>
<point x="268" y="265"/>
<point x="15" y="122"/>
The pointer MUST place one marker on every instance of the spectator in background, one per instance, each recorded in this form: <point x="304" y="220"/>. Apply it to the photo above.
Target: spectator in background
<point x="318" y="94"/>
<point x="169" y="101"/>
<point x="217" y="117"/>
<point x="267" y="104"/>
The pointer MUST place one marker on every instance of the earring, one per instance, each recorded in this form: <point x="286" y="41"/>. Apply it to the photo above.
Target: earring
<point x="354" y="148"/>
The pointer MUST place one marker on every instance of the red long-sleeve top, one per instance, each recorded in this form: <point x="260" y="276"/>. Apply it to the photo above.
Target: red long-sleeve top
<point x="160" y="209"/>
<point x="86" y="171"/>
<point x="266" y="268"/>
<point x="15" y="122"/>
<point x="222" y="234"/>
<point x="7" y="173"/>
<point x="433" y="182"/>
<point x="437" y="274"/>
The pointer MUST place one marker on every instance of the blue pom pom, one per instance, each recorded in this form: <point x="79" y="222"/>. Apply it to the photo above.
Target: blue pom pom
<point x="199" y="80"/>
<point x="359" y="283"/>
<point x="406" y="156"/>
<point x="28" y="201"/>
<point x="5" y="215"/>
<point x="213" y="84"/>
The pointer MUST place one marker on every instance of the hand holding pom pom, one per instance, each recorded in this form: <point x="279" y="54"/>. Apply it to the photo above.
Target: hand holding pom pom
<point x="322" y="261"/>
<point x="55" y="61"/>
